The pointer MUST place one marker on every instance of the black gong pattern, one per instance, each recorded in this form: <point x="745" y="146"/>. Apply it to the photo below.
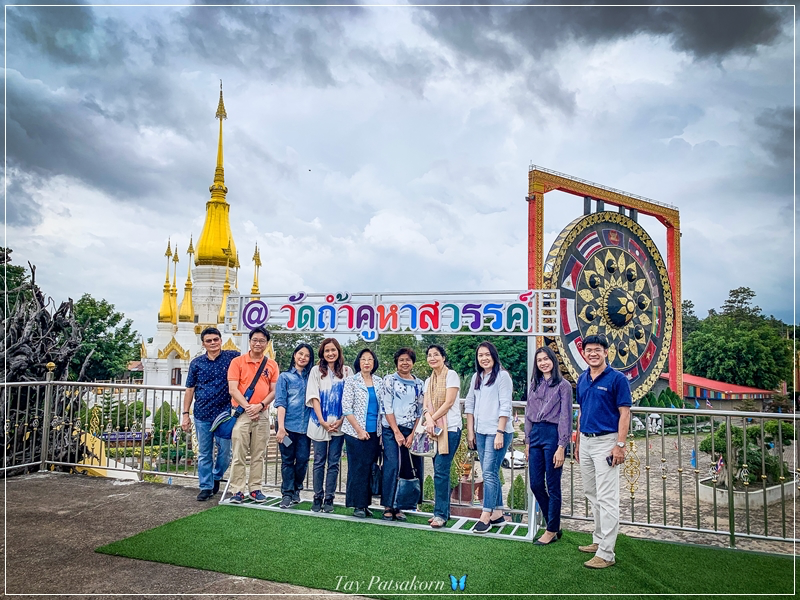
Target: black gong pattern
<point x="613" y="282"/>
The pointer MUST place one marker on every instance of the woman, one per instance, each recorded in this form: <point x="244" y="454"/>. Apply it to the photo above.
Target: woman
<point x="290" y="400"/>
<point x="402" y="409"/>
<point x="441" y="411"/>
<point x="361" y="406"/>
<point x="324" y="396"/>
<point x="489" y="428"/>
<point x="548" y="426"/>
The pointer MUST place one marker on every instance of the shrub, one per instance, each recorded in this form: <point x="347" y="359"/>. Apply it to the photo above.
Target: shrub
<point x="517" y="497"/>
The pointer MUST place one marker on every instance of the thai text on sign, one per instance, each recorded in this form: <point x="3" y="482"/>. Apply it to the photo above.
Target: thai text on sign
<point x="527" y="312"/>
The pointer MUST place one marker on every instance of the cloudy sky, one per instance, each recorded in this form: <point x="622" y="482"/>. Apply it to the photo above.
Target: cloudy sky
<point x="387" y="148"/>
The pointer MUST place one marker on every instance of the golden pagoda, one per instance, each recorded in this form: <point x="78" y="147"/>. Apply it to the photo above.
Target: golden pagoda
<point x="165" y="312"/>
<point x="186" y="313"/>
<point x="216" y="236"/>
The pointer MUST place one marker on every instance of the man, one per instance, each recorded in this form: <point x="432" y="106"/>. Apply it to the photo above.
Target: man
<point x="207" y="385"/>
<point x="604" y="397"/>
<point x="251" y="432"/>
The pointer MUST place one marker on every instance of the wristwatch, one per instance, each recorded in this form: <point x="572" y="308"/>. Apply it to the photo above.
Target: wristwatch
<point x="621" y="444"/>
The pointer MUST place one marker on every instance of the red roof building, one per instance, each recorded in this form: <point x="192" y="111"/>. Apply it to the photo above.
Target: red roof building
<point x="718" y="393"/>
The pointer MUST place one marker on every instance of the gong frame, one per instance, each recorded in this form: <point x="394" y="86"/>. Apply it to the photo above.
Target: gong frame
<point x="542" y="180"/>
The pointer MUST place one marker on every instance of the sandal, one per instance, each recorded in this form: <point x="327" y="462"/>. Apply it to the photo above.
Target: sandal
<point x="388" y="515"/>
<point x="437" y="522"/>
<point x="400" y="516"/>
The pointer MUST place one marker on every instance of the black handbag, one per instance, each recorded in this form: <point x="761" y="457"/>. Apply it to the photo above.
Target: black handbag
<point x="408" y="491"/>
<point x="376" y="477"/>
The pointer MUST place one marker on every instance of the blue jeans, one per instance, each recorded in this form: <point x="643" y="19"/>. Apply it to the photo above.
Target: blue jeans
<point x="491" y="460"/>
<point x="329" y="452"/>
<point x="392" y="465"/>
<point x="543" y="445"/>
<point x="294" y="462"/>
<point x="207" y="470"/>
<point x="441" y="476"/>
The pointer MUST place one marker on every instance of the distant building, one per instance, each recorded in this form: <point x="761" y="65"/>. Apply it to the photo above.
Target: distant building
<point x="721" y="395"/>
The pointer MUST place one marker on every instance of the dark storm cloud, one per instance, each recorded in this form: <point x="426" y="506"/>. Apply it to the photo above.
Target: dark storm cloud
<point x="775" y="134"/>
<point x="51" y="134"/>
<point x="21" y="208"/>
<point x="484" y="33"/>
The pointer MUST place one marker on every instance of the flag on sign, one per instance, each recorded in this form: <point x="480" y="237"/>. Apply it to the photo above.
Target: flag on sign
<point x="571" y="272"/>
<point x="648" y="355"/>
<point x="568" y="321"/>
<point x="634" y="249"/>
<point x="612" y="237"/>
<point x="589" y="245"/>
<point x="708" y="403"/>
<point x="576" y="350"/>
<point x="719" y="465"/>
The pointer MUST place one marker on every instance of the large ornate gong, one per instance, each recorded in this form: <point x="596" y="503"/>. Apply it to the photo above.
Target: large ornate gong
<point x="613" y="282"/>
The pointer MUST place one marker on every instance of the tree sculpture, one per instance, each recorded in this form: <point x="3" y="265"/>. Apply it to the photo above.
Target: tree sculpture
<point x="36" y="333"/>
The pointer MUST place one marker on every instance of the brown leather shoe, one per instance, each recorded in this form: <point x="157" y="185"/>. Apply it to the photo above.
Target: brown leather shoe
<point x="591" y="548"/>
<point x="598" y="563"/>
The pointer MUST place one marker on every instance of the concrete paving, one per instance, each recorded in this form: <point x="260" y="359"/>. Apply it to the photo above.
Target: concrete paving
<point x="54" y="522"/>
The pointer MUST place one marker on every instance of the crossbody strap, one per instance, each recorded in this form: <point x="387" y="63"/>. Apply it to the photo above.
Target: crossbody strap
<point x="252" y="385"/>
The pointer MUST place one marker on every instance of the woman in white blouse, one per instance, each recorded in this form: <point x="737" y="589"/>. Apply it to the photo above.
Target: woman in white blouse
<point x="489" y="428"/>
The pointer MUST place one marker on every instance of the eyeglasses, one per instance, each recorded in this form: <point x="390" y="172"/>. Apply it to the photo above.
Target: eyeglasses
<point x="592" y="351"/>
<point x="260" y="342"/>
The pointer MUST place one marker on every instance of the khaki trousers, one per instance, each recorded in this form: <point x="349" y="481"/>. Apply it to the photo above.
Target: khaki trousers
<point x="249" y="437"/>
<point x="601" y="486"/>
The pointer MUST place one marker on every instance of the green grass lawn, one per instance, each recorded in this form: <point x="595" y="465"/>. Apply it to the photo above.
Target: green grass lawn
<point x="293" y="548"/>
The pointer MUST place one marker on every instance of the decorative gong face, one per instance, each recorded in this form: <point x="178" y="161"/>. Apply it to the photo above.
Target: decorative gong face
<point x="613" y="282"/>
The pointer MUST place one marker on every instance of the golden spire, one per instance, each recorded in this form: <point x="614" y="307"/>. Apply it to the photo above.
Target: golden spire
<point x="216" y="234"/>
<point x="174" y="289"/>
<point x="257" y="263"/>
<point x="186" y="314"/>
<point x="165" y="312"/>
<point x="226" y="290"/>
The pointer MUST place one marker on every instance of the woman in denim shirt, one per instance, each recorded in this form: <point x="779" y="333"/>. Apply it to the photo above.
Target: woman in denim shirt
<point x="361" y="407"/>
<point x="402" y="409"/>
<point x="489" y="428"/>
<point x="290" y="400"/>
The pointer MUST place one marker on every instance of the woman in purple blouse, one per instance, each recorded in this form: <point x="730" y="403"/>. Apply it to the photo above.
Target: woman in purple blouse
<point x="548" y="426"/>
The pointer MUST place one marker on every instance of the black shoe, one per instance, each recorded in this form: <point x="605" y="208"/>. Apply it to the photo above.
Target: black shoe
<point x="368" y="512"/>
<point x="327" y="506"/>
<point x="216" y="487"/>
<point x="296" y="498"/>
<point x="388" y="515"/>
<point x="361" y="513"/>
<point x="498" y="521"/>
<point x="553" y="540"/>
<point x="559" y="534"/>
<point x="317" y="505"/>
<point x="286" y="501"/>
<point x="204" y="495"/>
<point x="481" y="527"/>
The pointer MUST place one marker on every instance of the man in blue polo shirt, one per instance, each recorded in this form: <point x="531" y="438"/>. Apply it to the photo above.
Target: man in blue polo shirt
<point x="604" y="397"/>
<point x="207" y="384"/>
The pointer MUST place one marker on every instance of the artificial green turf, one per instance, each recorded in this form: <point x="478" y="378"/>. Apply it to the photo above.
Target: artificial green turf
<point x="319" y="553"/>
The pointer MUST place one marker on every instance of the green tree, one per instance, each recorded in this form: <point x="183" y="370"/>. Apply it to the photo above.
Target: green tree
<point x="739" y="345"/>
<point x="285" y="343"/>
<point x="689" y="319"/>
<point x="109" y="341"/>
<point x="14" y="277"/>
<point x="164" y="421"/>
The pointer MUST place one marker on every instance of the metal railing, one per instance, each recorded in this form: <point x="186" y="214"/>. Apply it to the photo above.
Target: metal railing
<point x="672" y="479"/>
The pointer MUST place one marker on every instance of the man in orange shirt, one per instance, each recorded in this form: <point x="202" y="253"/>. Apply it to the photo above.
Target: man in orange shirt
<point x="251" y="432"/>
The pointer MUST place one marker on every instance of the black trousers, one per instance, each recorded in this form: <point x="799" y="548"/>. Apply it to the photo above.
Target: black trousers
<point x="361" y="455"/>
